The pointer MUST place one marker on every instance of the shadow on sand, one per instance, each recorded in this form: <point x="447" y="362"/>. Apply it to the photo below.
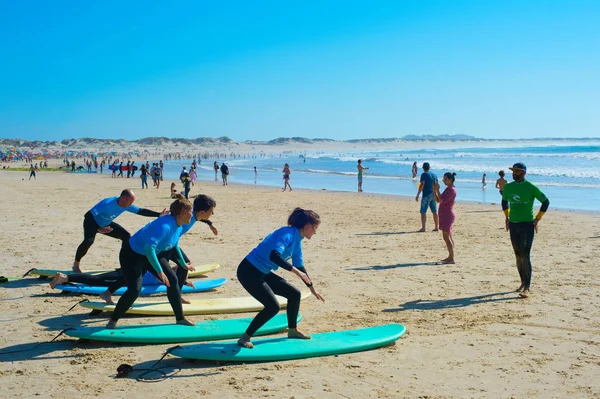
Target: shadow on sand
<point x="386" y="233"/>
<point x="386" y="267"/>
<point x="454" y="303"/>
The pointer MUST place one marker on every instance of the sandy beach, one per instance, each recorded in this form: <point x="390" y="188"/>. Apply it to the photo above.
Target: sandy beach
<point x="468" y="333"/>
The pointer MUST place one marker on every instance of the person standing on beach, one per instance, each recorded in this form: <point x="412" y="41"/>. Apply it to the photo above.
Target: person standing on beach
<point x="120" y="170"/>
<point x="100" y="218"/>
<point x="257" y="275"/>
<point x="144" y="176"/>
<point x="224" y="173"/>
<point x="360" y="174"/>
<point x="286" y="177"/>
<point x="128" y="166"/>
<point x="446" y="200"/>
<point x="216" y="168"/>
<point x="415" y="169"/>
<point x="32" y="172"/>
<point x="517" y="203"/>
<point x="501" y="182"/>
<point x="483" y="182"/>
<point x="428" y="179"/>
<point x="255" y="175"/>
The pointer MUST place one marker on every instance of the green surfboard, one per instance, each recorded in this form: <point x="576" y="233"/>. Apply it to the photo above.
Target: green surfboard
<point x="210" y="330"/>
<point x="275" y="349"/>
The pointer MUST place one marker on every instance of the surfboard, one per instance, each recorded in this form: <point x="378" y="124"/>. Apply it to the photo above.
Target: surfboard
<point x="199" y="286"/>
<point x="209" y="330"/>
<point x="200" y="270"/>
<point x="197" y="306"/>
<point x="276" y="349"/>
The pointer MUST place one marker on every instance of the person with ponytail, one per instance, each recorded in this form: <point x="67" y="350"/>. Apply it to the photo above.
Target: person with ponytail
<point x="446" y="212"/>
<point x="257" y="275"/>
<point x="151" y="248"/>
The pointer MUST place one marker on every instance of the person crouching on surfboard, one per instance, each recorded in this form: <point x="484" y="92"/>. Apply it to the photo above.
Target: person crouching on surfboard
<point x="256" y="272"/>
<point x="150" y="249"/>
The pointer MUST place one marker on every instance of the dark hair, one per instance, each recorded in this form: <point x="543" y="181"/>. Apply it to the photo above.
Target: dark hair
<point x="501" y="173"/>
<point x="450" y="175"/>
<point x="127" y="193"/>
<point x="301" y="217"/>
<point x="203" y="203"/>
<point x="426" y="166"/>
<point x="179" y="205"/>
<point x="360" y="161"/>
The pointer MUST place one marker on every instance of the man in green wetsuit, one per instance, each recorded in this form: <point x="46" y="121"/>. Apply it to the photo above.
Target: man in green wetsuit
<point x="517" y="203"/>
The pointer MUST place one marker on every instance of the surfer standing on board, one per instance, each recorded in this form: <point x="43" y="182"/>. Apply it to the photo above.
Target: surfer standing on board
<point x="256" y="272"/>
<point x="100" y="218"/>
<point x="150" y="250"/>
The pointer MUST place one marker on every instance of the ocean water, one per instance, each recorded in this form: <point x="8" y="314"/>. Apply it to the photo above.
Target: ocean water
<point x="568" y="174"/>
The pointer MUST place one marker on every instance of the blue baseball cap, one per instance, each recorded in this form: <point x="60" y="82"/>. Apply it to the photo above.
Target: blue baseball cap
<point x="519" y="166"/>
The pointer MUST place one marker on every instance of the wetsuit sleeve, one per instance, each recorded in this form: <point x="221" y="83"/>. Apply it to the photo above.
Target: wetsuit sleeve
<point x="276" y="258"/>
<point x="303" y="270"/>
<point x="208" y="222"/>
<point x="146" y="212"/>
<point x="180" y="257"/>
<point x="150" y="253"/>
<point x="545" y="205"/>
<point x="505" y="207"/>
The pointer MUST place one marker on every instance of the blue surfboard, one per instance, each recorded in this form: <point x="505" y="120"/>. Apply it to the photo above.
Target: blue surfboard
<point x="283" y="348"/>
<point x="199" y="286"/>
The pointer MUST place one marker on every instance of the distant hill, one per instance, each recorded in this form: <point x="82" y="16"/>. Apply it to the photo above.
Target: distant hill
<point x="88" y="142"/>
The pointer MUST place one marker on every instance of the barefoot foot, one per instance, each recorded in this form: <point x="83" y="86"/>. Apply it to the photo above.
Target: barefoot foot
<point x="185" y="322"/>
<point x="520" y="288"/>
<point x="448" y="261"/>
<point x="59" y="278"/>
<point x="421" y="231"/>
<point x="186" y="301"/>
<point x="107" y="297"/>
<point x="525" y="293"/>
<point x="294" y="333"/>
<point x="244" y="342"/>
<point x="76" y="268"/>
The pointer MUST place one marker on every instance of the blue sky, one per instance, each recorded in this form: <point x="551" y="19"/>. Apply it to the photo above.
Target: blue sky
<point x="329" y="69"/>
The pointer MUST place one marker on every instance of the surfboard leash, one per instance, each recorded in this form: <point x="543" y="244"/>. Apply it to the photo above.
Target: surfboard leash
<point x="39" y="343"/>
<point x="125" y="369"/>
<point x="44" y="315"/>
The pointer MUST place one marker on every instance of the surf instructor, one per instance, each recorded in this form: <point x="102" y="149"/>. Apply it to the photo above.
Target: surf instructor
<point x="517" y="203"/>
<point x="100" y="218"/>
<point x="256" y="272"/>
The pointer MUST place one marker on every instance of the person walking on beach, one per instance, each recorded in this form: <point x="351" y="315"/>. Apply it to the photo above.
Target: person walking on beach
<point x="255" y="175"/>
<point x="100" y="218"/>
<point x="428" y="179"/>
<point x="501" y="182"/>
<point x="120" y="170"/>
<point x="144" y="176"/>
<point x="32" y="172"/>
<point x="446" y="214"/>
<point x="257" y="275"/>
<point x="483" y="182"/>
<point x="286" y="177"/>
<point x="517" y="203"/>
<point x="224" y="173"/>
<point x="360" y="174"/>
<point x="150" y="249"/>
<point x="415" y="169"/>
<point x="216" y="168"/>
<point x="193" y="176"/>
<point x="157" y="176"/>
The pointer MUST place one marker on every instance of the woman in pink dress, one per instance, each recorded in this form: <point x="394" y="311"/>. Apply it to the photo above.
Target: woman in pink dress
<point x="446" y="212"/>
<point x="193" y="175"/>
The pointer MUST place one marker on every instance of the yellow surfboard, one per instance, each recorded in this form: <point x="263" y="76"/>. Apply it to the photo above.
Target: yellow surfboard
<point x="200" y="270"/>
<point x="198" y="306"/>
